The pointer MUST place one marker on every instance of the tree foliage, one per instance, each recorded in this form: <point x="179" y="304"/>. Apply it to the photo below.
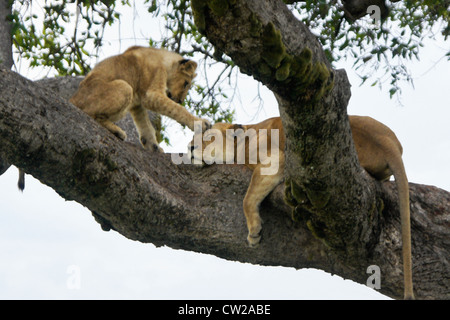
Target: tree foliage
<point x="65" y="35"/>
<point x="56" y="34"/>
<point x="380" y="46"/>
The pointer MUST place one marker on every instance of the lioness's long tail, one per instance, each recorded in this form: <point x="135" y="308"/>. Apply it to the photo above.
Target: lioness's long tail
<point x="398" y="169"/>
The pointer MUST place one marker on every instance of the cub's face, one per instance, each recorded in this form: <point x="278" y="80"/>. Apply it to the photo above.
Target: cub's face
<point x="180" y="80"/>
<point x="210" y="147"/>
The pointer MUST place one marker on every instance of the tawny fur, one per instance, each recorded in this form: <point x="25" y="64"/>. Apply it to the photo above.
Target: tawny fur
<point x="379" y="153"/>
<point x="140" y="79"/>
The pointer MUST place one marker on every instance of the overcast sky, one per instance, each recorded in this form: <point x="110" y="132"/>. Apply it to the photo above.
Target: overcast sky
<point x="53" y="249"/>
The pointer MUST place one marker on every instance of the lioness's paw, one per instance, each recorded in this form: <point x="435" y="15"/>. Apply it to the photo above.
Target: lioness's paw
<point x="253" y="240"/>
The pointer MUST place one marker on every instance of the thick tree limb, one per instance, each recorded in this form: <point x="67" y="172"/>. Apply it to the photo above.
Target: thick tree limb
<point x="355" y="9"/>
<point x="145" y="197"/>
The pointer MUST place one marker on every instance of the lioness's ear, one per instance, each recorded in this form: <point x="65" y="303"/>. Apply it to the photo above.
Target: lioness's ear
<point x="236" y="128"/>
<point x="188" y="66"/>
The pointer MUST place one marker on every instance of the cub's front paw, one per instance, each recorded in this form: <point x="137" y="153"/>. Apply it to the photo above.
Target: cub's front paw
<point x="198" y="124"/>
<point x="206" y="125"/>
<point x="150" y="144"/>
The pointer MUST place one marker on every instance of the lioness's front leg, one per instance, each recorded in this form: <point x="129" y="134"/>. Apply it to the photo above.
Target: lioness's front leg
<point x="260" y="186"/>
<point x="160" y="103"/>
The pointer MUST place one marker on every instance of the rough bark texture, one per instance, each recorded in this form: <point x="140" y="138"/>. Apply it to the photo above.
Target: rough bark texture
<point x="5" y="35"/>
<point x="6" y="59"/>
<point x="355" y="9"/>
<point x="347" y="221"/>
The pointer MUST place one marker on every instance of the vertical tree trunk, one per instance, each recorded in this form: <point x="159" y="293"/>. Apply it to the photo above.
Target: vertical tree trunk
<point x="6" y="59"/>
<point x="5" y="35"/>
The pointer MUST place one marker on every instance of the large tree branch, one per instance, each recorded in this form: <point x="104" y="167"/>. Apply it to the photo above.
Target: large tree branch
<point x="355" y="9"/>
<point x="145" y="197"/>
<point x="142" y="195"/>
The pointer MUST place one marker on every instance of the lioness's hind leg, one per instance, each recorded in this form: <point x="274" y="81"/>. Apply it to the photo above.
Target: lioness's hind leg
<point x="260" y="186"/>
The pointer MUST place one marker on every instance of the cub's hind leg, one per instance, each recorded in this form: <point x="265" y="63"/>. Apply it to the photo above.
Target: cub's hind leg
<point x="114" y="129"/>
<point x="106" y="102"/>
<point x="260" y="186"/>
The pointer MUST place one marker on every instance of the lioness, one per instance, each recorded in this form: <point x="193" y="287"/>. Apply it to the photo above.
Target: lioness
<point x="379" y="153"/>
<point x="139" y="79"/>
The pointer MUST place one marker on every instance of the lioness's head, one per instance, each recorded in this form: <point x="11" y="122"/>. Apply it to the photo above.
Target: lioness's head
<point x="211" y="146"/>
<point x="180" y="80"/>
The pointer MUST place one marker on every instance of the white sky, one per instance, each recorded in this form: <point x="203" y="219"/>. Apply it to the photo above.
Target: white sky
<point x="43" y="238"/>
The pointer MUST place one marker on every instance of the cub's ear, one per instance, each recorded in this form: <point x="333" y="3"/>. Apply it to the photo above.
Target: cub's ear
<point x="188" y="66"/>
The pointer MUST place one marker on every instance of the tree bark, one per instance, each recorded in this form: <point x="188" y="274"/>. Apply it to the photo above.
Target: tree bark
<point x="355" y="9"/>
<point x="5" y="52"/>
<point x="5" y="35"/>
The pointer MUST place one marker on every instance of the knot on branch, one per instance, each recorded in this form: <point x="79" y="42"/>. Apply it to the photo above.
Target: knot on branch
<point x="302" y="78"/>
<point x="306" y="203"/>
<point x="218" y="7"/>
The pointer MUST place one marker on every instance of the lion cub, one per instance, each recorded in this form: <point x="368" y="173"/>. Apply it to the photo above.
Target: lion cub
<point x="379" y="153"/>
<point x="139" y="79"/>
